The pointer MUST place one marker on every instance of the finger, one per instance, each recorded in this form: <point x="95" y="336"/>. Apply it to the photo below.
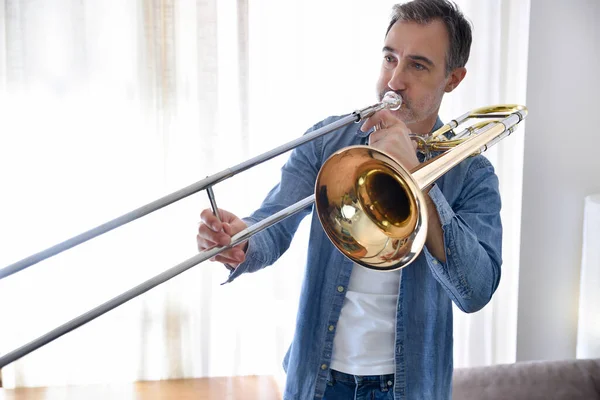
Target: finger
<point x="211" y="220"/>
<point x="204" y="244"/>
<point x="219" y="238"/>
<point x="372" y="121"/>
<point x="225" y="260"/>
<point x="375" y="137"/>
<point x="387" y="119"/>
<point x="383" y="119"/>
<point x="234" y="253"/>
<point x="383" y="136"/>
<point x="231" y="256"/>
<point x="226" y="216"/>
<point x="228" y="229"/>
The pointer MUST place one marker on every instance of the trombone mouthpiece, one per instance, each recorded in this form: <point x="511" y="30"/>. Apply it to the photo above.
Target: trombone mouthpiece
<point x="392" y="101"/>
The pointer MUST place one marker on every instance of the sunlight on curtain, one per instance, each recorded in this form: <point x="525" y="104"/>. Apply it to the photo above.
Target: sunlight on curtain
<point x="99" y="118"/>
<point x="108" y="105"/>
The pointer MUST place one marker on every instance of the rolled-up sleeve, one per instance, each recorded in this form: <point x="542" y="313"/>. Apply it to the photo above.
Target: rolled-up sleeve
<point x="472" y="239"/>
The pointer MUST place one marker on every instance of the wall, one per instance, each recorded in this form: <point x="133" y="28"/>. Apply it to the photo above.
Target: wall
<point x="561" y="167"/>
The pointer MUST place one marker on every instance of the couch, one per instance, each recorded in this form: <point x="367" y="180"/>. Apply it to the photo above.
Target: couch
<point x="535" y="380"/>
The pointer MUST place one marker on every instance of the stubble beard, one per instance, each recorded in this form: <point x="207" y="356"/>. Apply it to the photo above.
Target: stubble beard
<point x="408" y="111"/>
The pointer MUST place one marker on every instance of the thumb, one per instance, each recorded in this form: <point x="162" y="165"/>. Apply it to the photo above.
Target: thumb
<point x="227" y="229"/>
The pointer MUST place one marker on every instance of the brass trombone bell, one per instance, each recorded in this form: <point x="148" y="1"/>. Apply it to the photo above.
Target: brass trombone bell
<point x="373" y="210"/>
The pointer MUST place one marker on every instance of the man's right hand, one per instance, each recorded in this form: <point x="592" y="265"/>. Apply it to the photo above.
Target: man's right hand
<point x="212" y="233"/>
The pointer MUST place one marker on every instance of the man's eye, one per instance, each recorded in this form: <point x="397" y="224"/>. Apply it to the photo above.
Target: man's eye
<point x="389" y="59"/>
<point x="419" y="67"/>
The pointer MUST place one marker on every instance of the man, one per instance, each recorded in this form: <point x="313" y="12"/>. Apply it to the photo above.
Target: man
<point x="385" y="335"/>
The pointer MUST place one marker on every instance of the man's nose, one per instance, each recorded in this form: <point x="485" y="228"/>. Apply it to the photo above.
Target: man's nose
<point x="397" y="81"/>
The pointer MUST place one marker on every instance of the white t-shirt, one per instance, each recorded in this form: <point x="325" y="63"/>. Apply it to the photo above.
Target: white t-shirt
<point x="365" y="335"/>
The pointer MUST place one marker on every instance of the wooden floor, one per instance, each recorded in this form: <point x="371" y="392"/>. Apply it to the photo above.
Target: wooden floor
<point x="234" y="388"/>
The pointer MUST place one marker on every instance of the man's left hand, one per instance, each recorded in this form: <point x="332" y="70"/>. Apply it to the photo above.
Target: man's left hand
<point x="392" y="137"/>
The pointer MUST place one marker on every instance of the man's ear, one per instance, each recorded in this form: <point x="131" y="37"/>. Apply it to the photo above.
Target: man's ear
<point x="455" y="78"/>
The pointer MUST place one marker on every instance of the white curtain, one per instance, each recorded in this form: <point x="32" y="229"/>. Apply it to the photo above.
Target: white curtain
<point x="497" y="73"/>
<point x="107" y="105"/>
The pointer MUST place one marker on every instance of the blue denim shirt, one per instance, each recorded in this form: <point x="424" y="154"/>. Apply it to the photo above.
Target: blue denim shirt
<point x="468" y="204"/>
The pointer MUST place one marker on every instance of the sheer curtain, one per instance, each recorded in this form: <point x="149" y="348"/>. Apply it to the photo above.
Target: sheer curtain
<point x="107" y="105"/>
<point x="497" y="73"/>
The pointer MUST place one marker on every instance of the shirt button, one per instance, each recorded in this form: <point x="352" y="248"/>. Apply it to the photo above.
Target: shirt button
<point x="331" y="328"/>
<point x="435" y="262"/>
<point x="390" y="383"/>
<point x="340" y="289"/>
<point x="323" y="367"/>
<point x="448" y="251"/>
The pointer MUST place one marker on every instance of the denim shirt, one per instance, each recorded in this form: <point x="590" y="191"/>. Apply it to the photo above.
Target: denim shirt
<point x="468" y="203"/>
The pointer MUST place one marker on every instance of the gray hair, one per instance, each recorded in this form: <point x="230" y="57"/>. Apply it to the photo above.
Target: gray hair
<point x="459" y="29"/>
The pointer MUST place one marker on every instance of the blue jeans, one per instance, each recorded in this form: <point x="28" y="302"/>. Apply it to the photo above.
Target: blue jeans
<point x="342" y="386"/>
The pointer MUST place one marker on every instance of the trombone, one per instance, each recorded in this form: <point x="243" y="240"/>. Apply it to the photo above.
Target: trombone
<point x="370" y="207"/>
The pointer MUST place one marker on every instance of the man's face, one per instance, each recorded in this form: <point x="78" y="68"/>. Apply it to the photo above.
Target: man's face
<point x="414" y="66"/>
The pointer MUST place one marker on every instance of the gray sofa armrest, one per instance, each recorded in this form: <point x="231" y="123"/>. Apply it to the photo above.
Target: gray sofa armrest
<point x="548" y="380"/>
